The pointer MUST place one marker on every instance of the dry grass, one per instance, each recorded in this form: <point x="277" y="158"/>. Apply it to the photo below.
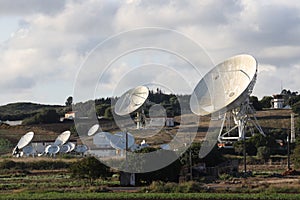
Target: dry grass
<point x="275" y="119"/>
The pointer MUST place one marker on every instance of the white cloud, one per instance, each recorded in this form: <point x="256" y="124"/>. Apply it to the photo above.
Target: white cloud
<point x="55" y="36"/>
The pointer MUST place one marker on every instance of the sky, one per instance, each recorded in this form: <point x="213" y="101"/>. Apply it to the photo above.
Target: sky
<point x="52" y="49"/>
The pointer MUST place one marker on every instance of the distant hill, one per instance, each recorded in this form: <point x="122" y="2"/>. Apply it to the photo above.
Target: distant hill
<point x="22" y="110"/>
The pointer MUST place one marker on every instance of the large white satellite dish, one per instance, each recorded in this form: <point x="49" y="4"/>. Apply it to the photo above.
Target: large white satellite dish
<point x="93" y="129"/>
<point x="132" y="100"/>
<point x="118" y="140"/>
<point x="225" y="91"/>
<point x="25" y="140"/>
<point x="62" y="138"/>
<point x="226" y="86"/>
<point x="102" y="139"/>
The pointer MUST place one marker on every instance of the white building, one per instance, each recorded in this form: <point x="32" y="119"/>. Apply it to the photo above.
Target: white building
<point x="277" y="101"/>
<point x="160" y="121"/>
<point x="70" y="115"/>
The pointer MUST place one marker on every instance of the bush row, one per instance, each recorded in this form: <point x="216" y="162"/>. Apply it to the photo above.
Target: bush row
<point x="39" y="165"/>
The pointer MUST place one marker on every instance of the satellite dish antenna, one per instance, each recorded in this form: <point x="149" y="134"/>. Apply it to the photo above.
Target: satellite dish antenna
<point x="118" y="140"/>
<point x="226" y="86"/>
<point x="52" y="149"/>
<point x="131" y="100"/>
<point x="226" y="89"/>
<point x="93" y="129"/>
<point x="47" y="149"/>
<point x="39" y="149"/>
<point x="62" y="138"/>
<point x="65" y="148"/>
<point x="165" y="147"/>
<point x="24" y="141"/>
<point x="102" y="139"/>
<point x="28" y="150"/>
<point x="81" y="148"/>
<point x="71" y="145"/>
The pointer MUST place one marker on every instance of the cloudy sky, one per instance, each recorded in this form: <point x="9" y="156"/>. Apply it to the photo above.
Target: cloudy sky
<point x="47" y="46"/>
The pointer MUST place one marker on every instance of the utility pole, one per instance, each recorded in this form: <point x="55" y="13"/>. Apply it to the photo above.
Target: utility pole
<point x="244" y="153"/>
<point x="191" y="161"/>
<point x="290" y="139"/>
<point x="288" y="152"/>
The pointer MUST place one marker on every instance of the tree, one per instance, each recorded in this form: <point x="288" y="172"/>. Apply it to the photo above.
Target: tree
<point x="108" y="113"/>
<point x="263" y="152"/>
<point x="46" y="116"/>
<point x="251" y="150"/>
<point x="296" y="154"/>
<point x="265" y="102"/>
<point x="100" y="109"/>
<point x="185" y="157"/>
<point x="69" y="101"/>
<point x="255" y="103"/>
<point x="258" y="140"/>
<point x="296" y="108"/>
<point x="89" y="168"/>
<point x="5" y="145"/>
<point x="169" y="173"/>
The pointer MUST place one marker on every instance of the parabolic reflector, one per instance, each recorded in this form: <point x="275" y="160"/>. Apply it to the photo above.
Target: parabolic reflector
<point x="225" y="87"/>
<point x="28" y="150"/>
<point x="93" y="129"/>
<point x="132" y="100"/>
<point x="62" y="138"/>
<point x="71" y="145"/>
<point x="118" y="140"/>
<point x="64" y="148"/>
<point x="81" y="148"/>
<point x="52" y="149"/>
<point x="102" y="139"/>
<point x="25" y="140"/>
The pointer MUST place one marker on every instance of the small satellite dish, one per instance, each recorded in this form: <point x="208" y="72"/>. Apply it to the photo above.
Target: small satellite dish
<point x="225" y="87"/>
<point x="65" y="148"/>
<point x="25" y="140"/>
<point x="71" y="145"/>
<point x="93" y="129"/>
<point x="135" y="147"/>
<point x="39" y="148"/>
<point x="102" y="139"/>
<point x="28" y="150"/>
<point x="144" y="144"/>
<point x="47" y="148"/>
<point x="132" y="100"/>
<point x="52" y="149"/>
<point x="62" y="138"/>
<point x="165" y="147"/>
<point x="118" y="140"/>
<point x="81" y="148"/>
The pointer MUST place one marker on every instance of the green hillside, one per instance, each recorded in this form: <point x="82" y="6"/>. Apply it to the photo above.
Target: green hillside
<point x="22" y="110"/>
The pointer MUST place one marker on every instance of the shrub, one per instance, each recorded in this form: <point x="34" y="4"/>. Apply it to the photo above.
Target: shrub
<point x="5" y="145"/>
<point x="170" y="187"/>
<point x="8" y="164"/>
<point x="263" y="153"/>
<point x="46" y="116"/>
<point x="89" y="168"/>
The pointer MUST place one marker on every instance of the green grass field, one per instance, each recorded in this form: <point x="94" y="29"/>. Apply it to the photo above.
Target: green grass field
<point x="58" y="184"/>
<point x="115" y="196"/>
